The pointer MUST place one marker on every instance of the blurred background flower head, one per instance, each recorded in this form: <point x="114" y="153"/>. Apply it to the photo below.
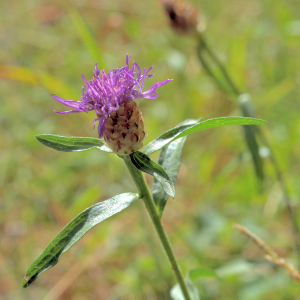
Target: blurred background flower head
<point x="183" y="17"/>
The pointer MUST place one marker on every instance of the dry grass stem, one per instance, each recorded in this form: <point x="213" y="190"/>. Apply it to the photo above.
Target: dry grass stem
<point x="271" y="255"/>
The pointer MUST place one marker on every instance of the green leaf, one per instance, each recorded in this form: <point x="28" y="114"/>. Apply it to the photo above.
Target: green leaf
<point x="70" y="144"/>
<point x="74" y="231"/>
<point x="170" y="159"/>
<point x="250" y="135"/>
<point x="185" y="130"/>
<point x="147" y="165"/>
<point x="176" y="293"/>
<point x="200" y="273"/>
<point x="168" y="136"/>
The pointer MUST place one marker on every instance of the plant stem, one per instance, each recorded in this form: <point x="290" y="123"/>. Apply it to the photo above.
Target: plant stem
<point x="151" y="244"/>
<point x="249" y="132"/>
<point x="144" y="192"/>
<point x="224" y="71"/>
<point x="207" y="67"/>
<point x="293" y="218"/>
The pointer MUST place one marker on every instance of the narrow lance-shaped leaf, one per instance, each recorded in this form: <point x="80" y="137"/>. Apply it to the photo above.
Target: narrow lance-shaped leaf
<point x="185" y="130"/>
<point x="170" y="159"/>
<point x="70" y="144"/>
<point x="147" y="165"/>
<point x="168" y="136"/>
<point x="250" y="135"/>
<point x="74" y="231"/>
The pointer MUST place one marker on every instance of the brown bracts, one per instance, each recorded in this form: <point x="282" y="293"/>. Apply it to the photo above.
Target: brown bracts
<point x="124" y="129"/>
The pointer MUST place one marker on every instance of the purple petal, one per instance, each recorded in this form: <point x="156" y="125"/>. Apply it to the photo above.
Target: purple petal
<point x="94" y="121"/>
<point x="151" y="94"/>
<point x="159" y="84"/>
<point x="101" y="126"/>
<point x="70" y="103"/>
<point x="139" y="69"/>
<point x="84" y="79"/>
<point x="127" y="60"/>
<point x="96" y="72"/>
<point x="68" y="111"/>
<point x="143" y="80"/>
<point x="149" y="75"/>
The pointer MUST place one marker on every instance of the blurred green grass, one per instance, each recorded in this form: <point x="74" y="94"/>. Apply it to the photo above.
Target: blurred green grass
<point x="42" y="190"/>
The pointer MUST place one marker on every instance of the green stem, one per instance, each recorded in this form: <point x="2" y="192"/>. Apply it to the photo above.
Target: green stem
<point x="280" y="179"/>
<point x="207" y="67"/>
<point x="151" y="244"/>
<point x="144" y="192"/>
<point x="249" y="133"/>
<point x="224" y="71"/>
<point x="293" y="218"/>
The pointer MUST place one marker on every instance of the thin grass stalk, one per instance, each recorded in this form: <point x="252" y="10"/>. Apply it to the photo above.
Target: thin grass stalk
<point x="293" y="217"/>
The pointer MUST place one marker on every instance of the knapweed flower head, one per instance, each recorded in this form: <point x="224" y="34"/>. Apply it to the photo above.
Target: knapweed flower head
<point x="184" y="18"/>
<point x="111" y="95"/>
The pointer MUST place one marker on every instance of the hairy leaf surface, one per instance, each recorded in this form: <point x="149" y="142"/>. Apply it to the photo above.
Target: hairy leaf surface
<point x="74" y="231"/>
<point x="147" y="165"/>
<point x="170" y="159"/>
<point x="70" y="144"/>
<point x="184" y="130"/>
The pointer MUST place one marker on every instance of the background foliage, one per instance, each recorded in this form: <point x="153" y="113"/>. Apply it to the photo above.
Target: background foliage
<point x="45" y="46"/>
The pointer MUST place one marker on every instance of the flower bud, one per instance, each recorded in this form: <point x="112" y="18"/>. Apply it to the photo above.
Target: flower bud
<point x="124" y="129"/>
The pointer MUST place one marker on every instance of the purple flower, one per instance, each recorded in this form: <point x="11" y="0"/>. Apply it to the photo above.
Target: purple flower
<point x="104" y="93"/>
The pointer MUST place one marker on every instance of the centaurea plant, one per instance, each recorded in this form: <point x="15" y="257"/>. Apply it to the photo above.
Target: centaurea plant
<point x="121" y="131"/>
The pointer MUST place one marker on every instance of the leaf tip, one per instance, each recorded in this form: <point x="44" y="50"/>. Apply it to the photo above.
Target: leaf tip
<point x="40" y="138"/>
<point x="262" y="121"/>
<point x="25" y="281"/>
<point x="172" y="193"/>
